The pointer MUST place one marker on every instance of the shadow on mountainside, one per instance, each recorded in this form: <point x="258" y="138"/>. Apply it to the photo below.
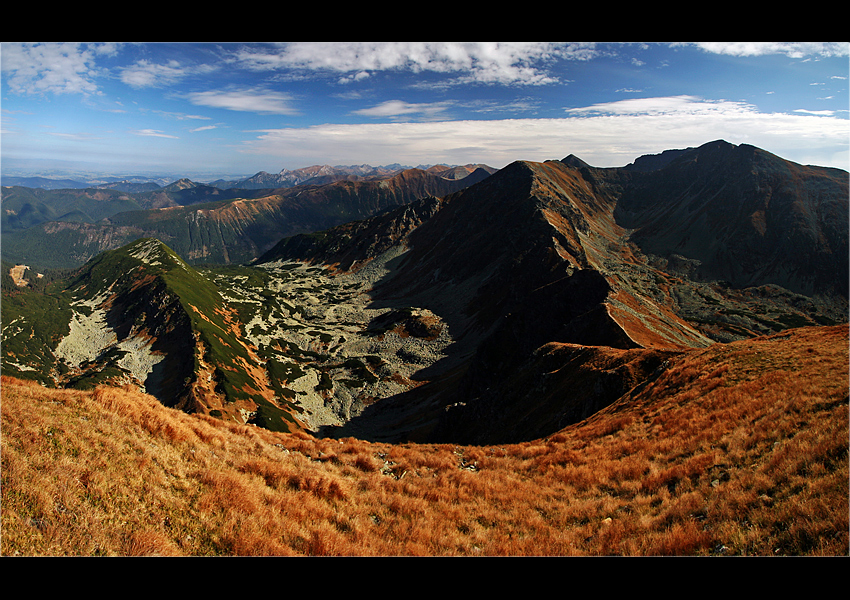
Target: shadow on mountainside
<point x="493" y="343"/>
<point x="402" y="415"/>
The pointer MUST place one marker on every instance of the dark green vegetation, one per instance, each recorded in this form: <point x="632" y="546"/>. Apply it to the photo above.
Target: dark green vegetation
<point x="34" y="318"/>
<point x="143" y="287"/>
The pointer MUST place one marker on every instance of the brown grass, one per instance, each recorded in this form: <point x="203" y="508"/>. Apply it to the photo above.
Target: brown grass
<point x="738" y="449"/>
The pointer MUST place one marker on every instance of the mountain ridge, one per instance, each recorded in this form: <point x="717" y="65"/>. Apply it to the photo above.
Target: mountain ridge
<point x="441" y="316"/>
<point x="601" y="288"/>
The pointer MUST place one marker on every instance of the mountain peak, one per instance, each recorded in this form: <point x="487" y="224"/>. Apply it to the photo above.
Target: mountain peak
<point x="152" y="252"/>
<point x="146" y="315"/>
<point x="143" y="263"/>
<point x="181" y="184"/>
<point x="574" y="161"/>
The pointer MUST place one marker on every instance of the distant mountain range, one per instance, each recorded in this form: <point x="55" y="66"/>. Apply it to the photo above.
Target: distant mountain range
<point x="316" y="174"/>
<point x="203" y="223"/>
<point x="322" y="174"/>
<point x="53" y="183"/>
<point x="498" y="307"/>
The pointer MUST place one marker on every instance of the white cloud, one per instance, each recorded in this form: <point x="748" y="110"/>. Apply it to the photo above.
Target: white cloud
<point x="360" y="76"/>
<point x="611" y="137"/>
<point x="54" y="67"/>
<point x="147" y="74"/>
<point x="668" y="105"/>
<point x="790" y="49"/>
<point x="398" y="108"/>
<point x="483" y="62"/>
<point x="73" y="136"/>
<point x="153" y="133"/>
<point x="246" y="100"/>
<point x="179" y="116"/>
<point x="824" y="113"/>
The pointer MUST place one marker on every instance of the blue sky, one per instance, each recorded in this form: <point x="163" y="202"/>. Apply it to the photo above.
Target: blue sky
<point x="211" y="109"/>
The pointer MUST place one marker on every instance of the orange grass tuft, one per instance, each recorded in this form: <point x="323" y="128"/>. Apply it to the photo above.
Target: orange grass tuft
<point x="737" y="449"/>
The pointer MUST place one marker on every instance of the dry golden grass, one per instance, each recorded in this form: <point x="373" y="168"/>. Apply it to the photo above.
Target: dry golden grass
<point x="738" y="449"/>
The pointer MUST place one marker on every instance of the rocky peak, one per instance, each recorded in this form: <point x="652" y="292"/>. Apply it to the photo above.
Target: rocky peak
<point x="180" y="184"/>
<point x="746" y="216"/>
<point x="574" y="161"/>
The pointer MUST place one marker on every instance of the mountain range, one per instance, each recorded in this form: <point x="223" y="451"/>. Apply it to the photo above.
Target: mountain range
<point x="321" y="174"/>
<point x="203" y="223"/>
<point x="316" y="174"/>
<point x="425" y="306"/>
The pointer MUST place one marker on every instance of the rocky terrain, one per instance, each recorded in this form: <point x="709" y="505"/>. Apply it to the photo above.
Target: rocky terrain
<point x="554" y="253"/>
<point x="311" y="344"/>
<point x="339" y="352"/>
<point x="499" y="312"/>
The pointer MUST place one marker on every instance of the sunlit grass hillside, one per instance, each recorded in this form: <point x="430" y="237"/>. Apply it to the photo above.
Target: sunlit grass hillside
<point x="737" y="449"/>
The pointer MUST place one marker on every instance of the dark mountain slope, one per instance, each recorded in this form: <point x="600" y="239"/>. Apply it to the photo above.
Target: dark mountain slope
<point x="746" y="216"/>
<point x="532" y="240"/>
<point x="344" y="246"/>
<point x="553" y="255"/>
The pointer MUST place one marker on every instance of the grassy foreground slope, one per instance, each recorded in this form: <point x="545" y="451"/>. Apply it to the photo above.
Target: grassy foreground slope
<point x="735" y="449"/>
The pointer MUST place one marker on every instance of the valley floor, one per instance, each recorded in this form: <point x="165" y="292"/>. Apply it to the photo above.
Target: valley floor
<point x="736" y="449"/>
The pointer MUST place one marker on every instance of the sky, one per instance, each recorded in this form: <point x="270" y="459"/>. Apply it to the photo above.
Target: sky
<point x="225" y="109"/>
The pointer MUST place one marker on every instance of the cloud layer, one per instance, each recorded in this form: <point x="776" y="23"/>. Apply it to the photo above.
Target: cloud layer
<point x="233" y="83"/>
<point x="604" y="135"/>
<point x="72" y="67"/>
<point x="259" y="101"/>
<point x="790" y="49"/>
<point x="57" y="68"/>
<point x="483" y="62"/>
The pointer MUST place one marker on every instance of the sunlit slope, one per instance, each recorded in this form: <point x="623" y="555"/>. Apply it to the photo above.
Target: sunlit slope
<point x="140" y="315"/>
<point x="738" y="449"/>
